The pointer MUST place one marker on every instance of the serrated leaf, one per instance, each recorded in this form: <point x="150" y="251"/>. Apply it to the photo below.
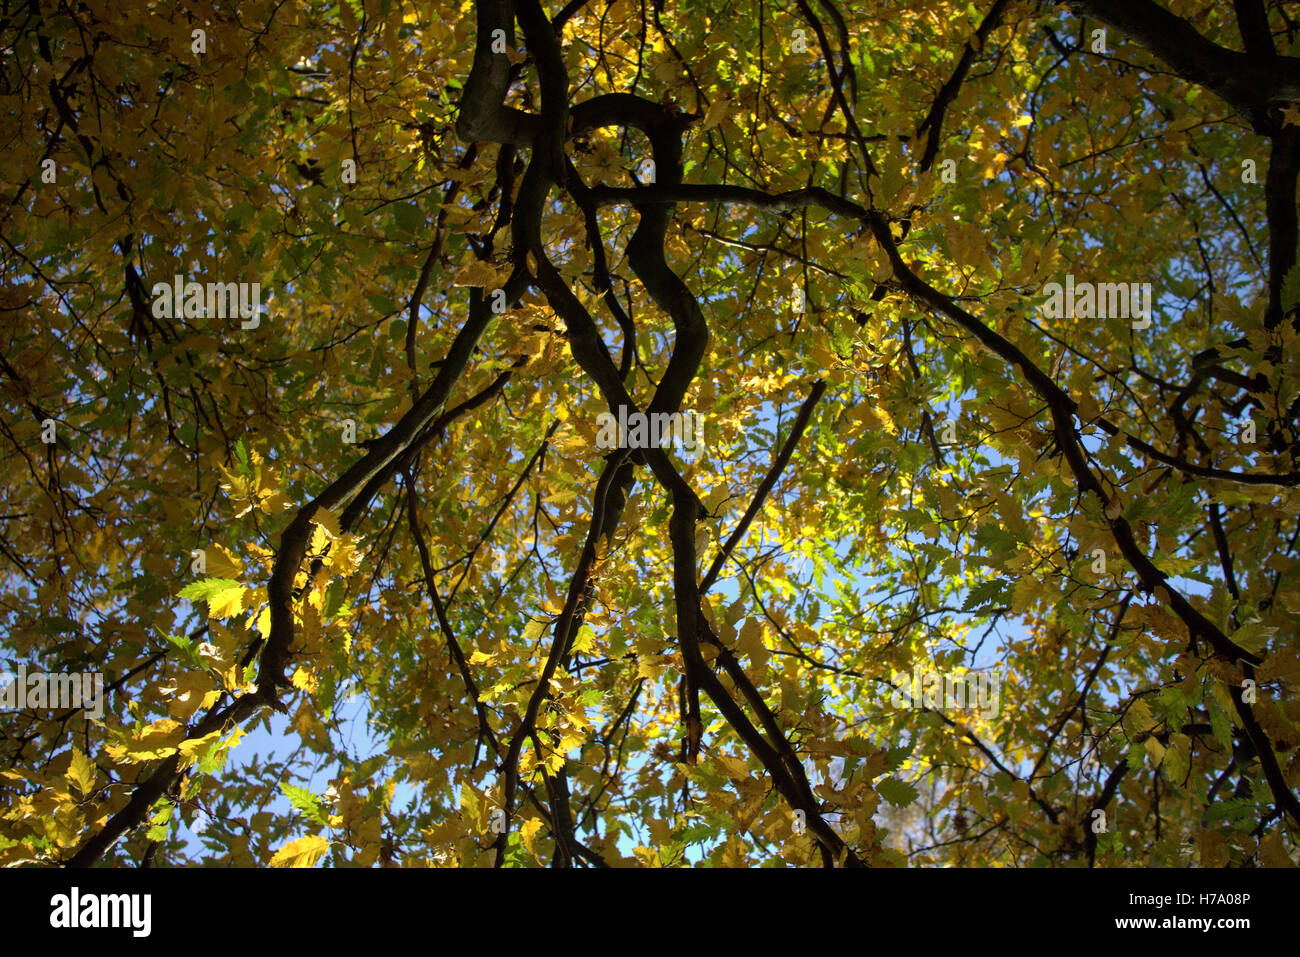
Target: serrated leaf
<point x="201" y="590"/>
<point x="196" y="748"/>
<point x="82" y="772"/>
<point x="305" y="803"/>
<point x="1139" y="718"/>
<point x="528" y="832"/>
<point x="895" y="757"/>
<point x="584" y="640"/>
<point x="478" y="273"/>
<point x="896" y="792"/>
<point x="1291" y="288"/>
<point x="304" y="852"/>
<point x="223" y="564"/>
<point x="334" y="595"/>
<point x="1253" y="636"/>
<point x="224" y="597"/>
<point x="985" y="594"/>
<point x="327" y="520"/>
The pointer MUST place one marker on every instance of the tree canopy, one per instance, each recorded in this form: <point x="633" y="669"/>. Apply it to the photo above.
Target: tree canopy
<point x="723" y="432"/>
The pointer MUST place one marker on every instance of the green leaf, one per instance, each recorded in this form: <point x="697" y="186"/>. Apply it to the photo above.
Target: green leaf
<point x="387" y="307"/>
<point x="896" y="792"/>
<point x="241" y="458"/>
<point x="1291" y="288"/>
<point x="894" y="757"/>
<point x="305" y="803"/>
<point x="584" y="640"/>
<point x="334" y="595"/>
<point x="224" y="597"/>
<point x="1253" y="636"/>
<point x="1220" y="727"/>
<point x="408" y="216"/>
<point x="996" y="543"/>
<point x="207" y="588"/>
<point x="184" y="650"/>
<point x="987" y="594"/>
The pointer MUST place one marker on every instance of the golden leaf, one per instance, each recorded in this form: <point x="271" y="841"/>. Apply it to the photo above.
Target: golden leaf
<point x="81" y="772"/>
<point x="304" y="852"/>
<point x="222" y="563"/>
<point x="528" y="832"/>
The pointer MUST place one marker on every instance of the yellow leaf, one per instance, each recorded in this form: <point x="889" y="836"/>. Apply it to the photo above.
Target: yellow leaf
<point x="158" y="740"/>
<point x="584" y="641"/>
<point x="717" y="110"/>
<point x="751" y="643"/>
<point x="649" y="669"/>
<point x="886" y="420"/>
<point x="190" y="749"/>
<point x="477" y="273"/>
<point x="320" y="539"/>
<point x="1139" y="718"/>
<point x="222" y="563"/>
<point x="327" y="519"/>
<point x="1253" y="636"/>
<point x="968" y="246"/>
<point x="304" y="852"/>
<point x="163" y="729"/>
<point x="188" y="693"/>
<point x="1088" y="408"/>
<point x="304" y="679"/>
<point x="735" y="768"/>
<point x="528" y="831"/>
<point x="1023" y="594"/>
<point x="81" y="772"/>
<point x="1272" y="852"/>
<point x="226" y="603"/>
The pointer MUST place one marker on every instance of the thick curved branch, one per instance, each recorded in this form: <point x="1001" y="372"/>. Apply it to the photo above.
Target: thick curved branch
<point x="1249" y="83"/>
<point x="483" y="115"/>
